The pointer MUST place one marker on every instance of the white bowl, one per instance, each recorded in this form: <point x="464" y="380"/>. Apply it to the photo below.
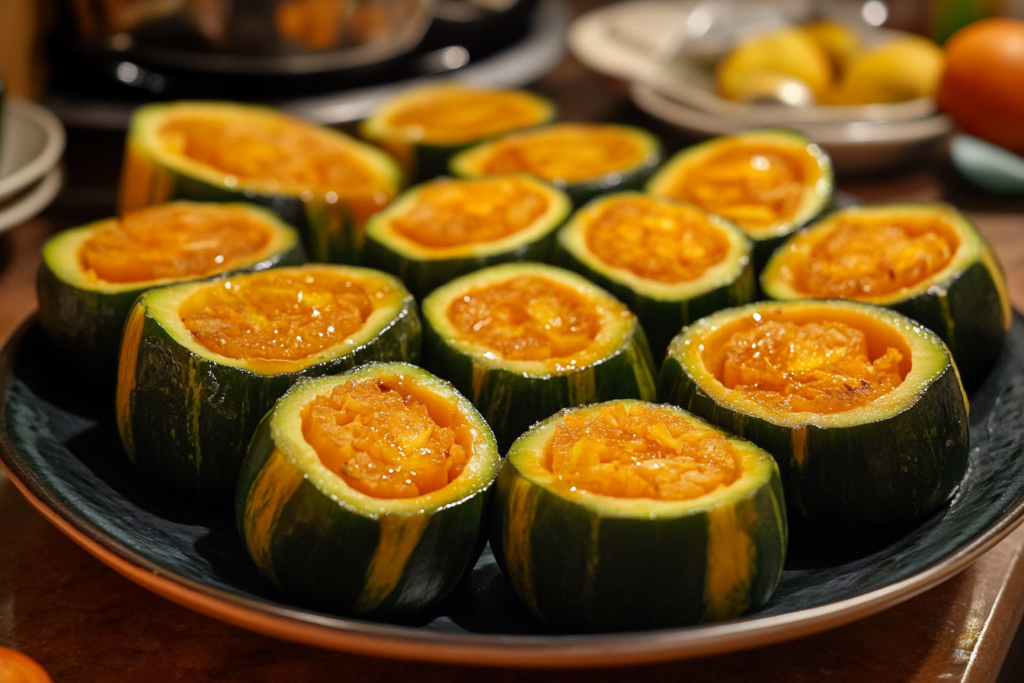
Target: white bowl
<point x="32" y="144"/>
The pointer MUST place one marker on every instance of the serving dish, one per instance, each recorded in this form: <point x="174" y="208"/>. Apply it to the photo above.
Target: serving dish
<point x="59" y="445"/>
<point x="32" y="200"/>
<point x="33" y="141"/>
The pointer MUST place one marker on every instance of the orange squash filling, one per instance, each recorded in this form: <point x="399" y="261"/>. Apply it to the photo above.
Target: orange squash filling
<point x="645" y="451"/>
<point x="275" y="153"/>
<point x="567" y="152"/>
<point x="280" y="315"/>
<point x="755" y="185"/>
<point x="818" y="367"/>
<point x="863" y="258"/>
<point x="454" y="213"/>
<point x="526" y="318"/>
<point x="455" y="115"/>
<point x="655" y="240"/>
<point x="381" y="437"/>
<point x="172" y="242"/>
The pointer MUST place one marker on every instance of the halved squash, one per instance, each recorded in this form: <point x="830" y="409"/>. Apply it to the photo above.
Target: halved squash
<point x="91" y="275"/>
<point x="424" y="127"/>
<point x="444" y="228"/>
<point x="631" y="515"/>
<point x="365" y="492"/>
<point x="317" y="179"/>
<point x="524" y="340"/>
<point x="861" y="406"/>
<point x="671" y="263"/>
<point x="769" y="182"/>
<point x="202" y="362"/>
<point x="585" y="160"/>
<point x="926" y="261"/>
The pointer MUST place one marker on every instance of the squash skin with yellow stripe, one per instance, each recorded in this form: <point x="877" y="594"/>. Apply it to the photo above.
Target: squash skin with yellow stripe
<point x="334" y="548"/>
<point x="331" y="227"/>
<point x="597" y="563"/>
<point x="512" y="399"/>
<point x="186" y="416"/>
<point x="871" y="468"/>
<point x="85" y="320"/>
<point x="966" y="304"/>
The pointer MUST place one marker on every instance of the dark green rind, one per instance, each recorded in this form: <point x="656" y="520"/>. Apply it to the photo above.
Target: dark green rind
<point x="883" y="473"/>
<point x="85" y="325"/>
<point x="321" y="548"/>
<point x="640" y="572"/>
<point x="201" y="457"/>
<point x="582" y="192"/>
<point x="423" y="275"/>
<point x="512" y="402"/>
<point x="969" y="318"/>
<point x="763" y="246"/>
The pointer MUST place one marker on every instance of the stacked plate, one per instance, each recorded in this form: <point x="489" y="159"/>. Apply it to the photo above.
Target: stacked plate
<point x="31" y="144"/>
<point x="666" y="51"/>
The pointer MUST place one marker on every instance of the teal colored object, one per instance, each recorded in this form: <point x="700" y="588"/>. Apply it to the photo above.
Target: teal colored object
<point x="988" y="166"/>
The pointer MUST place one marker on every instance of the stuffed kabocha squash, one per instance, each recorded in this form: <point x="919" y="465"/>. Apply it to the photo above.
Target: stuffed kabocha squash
<point x="201" y="363"/>
<point x="365" y="492"/>
<point x="630" y="515"/>
<point x="670" y="263"/>
<point x="861" y="407"/>
<point x="317" y="179"/>
<point x="924" y="260"/>
<point x="768" y="182"/>
<point x="583" y="159"/>
<point x="91" y="275"/>
<point x="441" y="229"/>
<point x="524" y="340"/>
<point x="424" y="127"/>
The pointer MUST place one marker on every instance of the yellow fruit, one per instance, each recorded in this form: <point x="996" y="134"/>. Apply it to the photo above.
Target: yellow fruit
<point x="898" y="70"/>
<point x="839" y="41"/>
<point x="787" y="51"/>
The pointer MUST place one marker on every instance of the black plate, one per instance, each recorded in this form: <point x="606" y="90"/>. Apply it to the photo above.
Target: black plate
<point x="59" y="442"/>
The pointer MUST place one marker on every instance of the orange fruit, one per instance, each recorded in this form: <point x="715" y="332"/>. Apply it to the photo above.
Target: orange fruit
<point x="982" y="87"/>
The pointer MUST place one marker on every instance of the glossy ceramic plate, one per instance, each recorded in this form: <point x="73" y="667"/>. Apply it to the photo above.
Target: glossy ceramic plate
<point x="59" y="445"/>
<point x="32" y="143"/>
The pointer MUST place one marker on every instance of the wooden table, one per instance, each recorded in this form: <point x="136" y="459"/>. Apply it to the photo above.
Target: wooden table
<point x="84" y="622"/>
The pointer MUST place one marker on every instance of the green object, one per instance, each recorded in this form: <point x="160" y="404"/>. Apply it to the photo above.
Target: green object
<point x="587" y="561"/>
<point x="512" y="394"/>
<point x="425" y="127"/>
<point x="559" y="153"/>
<point x="662" y="307"/>
<point x="84" y="315"/>
<point x="332" y="546"/>
<point x="881" y="465"/>
<point x="966" y="303"/>
<point x="949" y="16"/>
<point x="186" y="413"/>
<point x="749" y="178"/>
<point x="286" y="162"/>
<point x="424" y="267"/>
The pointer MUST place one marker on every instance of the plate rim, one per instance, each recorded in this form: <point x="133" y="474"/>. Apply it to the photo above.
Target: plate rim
<point x="22" y="112"/>
<point x="33" y="202"/>
<point x="507" y="650"/>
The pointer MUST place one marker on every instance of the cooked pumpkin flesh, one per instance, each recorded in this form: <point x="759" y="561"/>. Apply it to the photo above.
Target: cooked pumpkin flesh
<point x="817" y="367"/>
<point x="280" y="314"/>
<point x="656" y="240"/>
<point x="526" y="318"/>
<point x="382" y="440"/>
<point x="271" y="152"/>
<point x="566" y="153"/>
<point x="863" y="258"/>
<point x="457" y="115"/>
<point x="172" y="242"/>
<point x="643" y="451"/>
<point x="755" y="185"/>
<point x="453" y="213"/>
